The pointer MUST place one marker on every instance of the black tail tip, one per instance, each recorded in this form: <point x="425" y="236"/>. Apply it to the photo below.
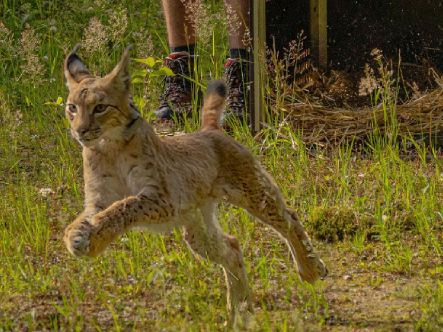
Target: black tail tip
<point x="76" y="48"/>
<point x="218" y="87"/>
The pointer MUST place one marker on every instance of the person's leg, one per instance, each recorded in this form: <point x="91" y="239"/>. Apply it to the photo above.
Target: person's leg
<point x="237" y="40"/>
<point x="236" y="69"/>
<point x="180" y="32"/>
<point x="176" y="98"/>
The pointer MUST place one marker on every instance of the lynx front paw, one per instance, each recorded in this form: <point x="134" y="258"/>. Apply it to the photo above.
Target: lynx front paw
<point x="77" y="238"/>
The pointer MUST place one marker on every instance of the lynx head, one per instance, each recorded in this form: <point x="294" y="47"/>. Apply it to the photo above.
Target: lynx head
<point x="98" y="108"/>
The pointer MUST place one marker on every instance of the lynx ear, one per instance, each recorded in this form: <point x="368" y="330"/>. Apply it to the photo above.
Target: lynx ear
<point x="119" y="76"/>
<point x="75" y="69"/>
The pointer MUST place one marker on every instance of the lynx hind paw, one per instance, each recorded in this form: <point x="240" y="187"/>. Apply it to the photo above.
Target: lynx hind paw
<point x="319" y="269"/>
<point x="322" y="270"/>
<point x="77" y="238"/>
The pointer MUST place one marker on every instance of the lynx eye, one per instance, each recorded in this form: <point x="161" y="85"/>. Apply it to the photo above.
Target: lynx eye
<point x="100" y="108"/>
<point x="72" y="108"/>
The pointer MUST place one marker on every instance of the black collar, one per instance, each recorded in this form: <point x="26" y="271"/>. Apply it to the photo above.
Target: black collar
<point x="132" y="122"/>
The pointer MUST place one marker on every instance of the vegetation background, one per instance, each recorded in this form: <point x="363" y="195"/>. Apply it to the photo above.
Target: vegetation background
<point x="375" y="211"/>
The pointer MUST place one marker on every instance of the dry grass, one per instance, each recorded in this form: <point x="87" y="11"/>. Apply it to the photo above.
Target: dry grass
<point x="319" y="123"/>
<point x="306" y="104"/>
<point x="381" y="212"/>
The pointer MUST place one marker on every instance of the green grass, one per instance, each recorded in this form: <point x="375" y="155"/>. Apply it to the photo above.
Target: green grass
<point x="377" y="217"/>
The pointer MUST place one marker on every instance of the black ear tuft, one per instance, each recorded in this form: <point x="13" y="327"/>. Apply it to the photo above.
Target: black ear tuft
<point x="75" y="69"/>
<point x="76" y="66"/>
<point x="120" y="76"/>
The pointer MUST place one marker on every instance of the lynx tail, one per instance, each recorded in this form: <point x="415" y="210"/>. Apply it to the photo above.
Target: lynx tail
<point x="213" y="105"/>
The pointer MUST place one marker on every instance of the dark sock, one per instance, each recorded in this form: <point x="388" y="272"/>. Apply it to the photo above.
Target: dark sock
<point x="184" y="48"/>
<point x="238" y="53"/>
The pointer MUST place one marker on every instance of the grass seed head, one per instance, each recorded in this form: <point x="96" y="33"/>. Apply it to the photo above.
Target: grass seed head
<point x="368" y="83"/>
<point x="6" y="39"/>
<point x="233" y="21"/>
<point x="198" y="15"/>
<point x="118" y="23"/>
<point x="95" y="36"/>
<point x="32" y="68"/>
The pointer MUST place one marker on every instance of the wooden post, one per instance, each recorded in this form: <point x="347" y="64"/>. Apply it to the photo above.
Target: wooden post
<point x="319" y="33"/>
<point x="257" y="70"/>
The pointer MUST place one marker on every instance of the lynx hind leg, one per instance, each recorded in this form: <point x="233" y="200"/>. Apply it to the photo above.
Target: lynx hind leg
<point x="262" y="198"/>
<point x="205" y="238"/>
<point x="310" y="266"/>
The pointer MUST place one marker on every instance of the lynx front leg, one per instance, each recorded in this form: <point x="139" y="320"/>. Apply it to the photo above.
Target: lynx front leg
<point x="77" y="234"/>
<point x="91" y="237"/>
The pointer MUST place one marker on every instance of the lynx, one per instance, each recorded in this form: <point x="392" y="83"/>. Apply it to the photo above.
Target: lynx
<point x="136" y="179"/>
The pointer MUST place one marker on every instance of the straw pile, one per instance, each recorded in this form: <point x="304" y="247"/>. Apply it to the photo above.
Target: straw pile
<point x="320" y="124"/>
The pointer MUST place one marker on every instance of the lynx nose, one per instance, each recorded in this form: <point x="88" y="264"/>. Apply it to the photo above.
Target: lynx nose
<point x="81" y="131"/>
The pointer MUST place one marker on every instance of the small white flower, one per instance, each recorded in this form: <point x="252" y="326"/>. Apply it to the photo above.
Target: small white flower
<point x="45" y="192"/>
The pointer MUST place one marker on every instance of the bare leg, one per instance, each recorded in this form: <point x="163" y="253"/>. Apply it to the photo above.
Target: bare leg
<point x="208" y="240"/>
<point x="241" y="10"/>
<point x="180" y="31"/>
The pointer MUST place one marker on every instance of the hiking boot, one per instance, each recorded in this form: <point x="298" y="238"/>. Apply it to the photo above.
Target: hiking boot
<point x="235" y="76"/>
<point x="176" y="97"/>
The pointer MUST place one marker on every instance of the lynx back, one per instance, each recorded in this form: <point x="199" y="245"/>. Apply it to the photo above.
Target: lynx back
<point x="135" y="179"/>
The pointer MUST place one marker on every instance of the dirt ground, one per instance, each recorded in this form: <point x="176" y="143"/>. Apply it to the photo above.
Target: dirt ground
<point x="363" y="298"/>
<point x="406" y="34"/>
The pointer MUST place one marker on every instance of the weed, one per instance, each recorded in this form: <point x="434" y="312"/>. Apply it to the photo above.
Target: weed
<point x="381" y="212"/>
<point x="335" y="223"/>
<point x="431" y="308"/>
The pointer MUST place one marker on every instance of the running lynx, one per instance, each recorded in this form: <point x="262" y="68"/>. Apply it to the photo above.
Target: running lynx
<point x="135" y="179"/>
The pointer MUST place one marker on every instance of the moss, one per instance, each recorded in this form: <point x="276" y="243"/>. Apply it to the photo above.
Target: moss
<point x="335" y="223"/>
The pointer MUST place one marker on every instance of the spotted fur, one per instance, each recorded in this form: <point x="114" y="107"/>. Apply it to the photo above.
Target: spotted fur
<point x="135" y="179"/>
